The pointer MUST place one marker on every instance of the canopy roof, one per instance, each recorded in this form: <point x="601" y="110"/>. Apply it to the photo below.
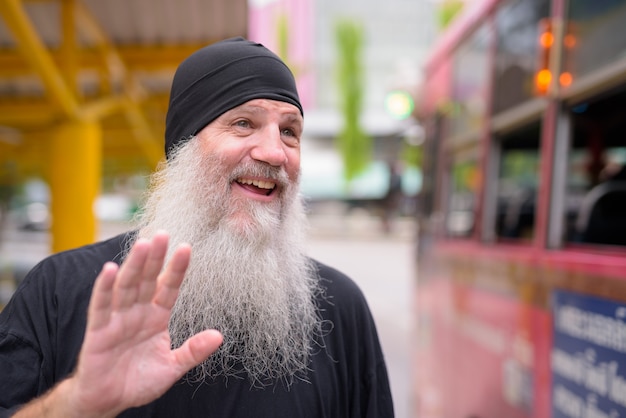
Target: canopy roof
<point x="106" y="60"/>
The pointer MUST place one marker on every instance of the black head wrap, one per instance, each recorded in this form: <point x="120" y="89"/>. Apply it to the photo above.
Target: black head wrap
<point x="222" y="76"/>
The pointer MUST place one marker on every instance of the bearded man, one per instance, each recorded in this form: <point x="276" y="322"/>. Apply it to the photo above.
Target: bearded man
<point x="255" y="329"/>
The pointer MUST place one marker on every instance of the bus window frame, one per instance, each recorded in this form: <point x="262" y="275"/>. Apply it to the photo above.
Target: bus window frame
<point x="554" y="146"/>
<point x="555" y="234"/>
<point x="594" y="83"/>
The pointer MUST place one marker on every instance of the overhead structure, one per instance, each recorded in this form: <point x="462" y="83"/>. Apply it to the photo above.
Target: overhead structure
<point x="84" y="87"/>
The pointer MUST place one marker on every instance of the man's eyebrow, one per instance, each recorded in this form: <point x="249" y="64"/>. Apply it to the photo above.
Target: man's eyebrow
<point x="294" y="118"/>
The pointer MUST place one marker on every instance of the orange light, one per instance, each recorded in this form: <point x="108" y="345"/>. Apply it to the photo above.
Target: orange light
<point x="546" y="40"/>
<point x="569" y="41"/>
<point x="542" y="80"/>
<point x="566" y="79"/>
<point x="544" y="77"/>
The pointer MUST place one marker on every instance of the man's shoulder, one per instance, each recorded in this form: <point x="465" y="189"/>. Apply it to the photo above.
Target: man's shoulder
<point x="339" y="291"/>
<point x="78" y="264"/>
<point x="335" y="279"/>
<point x="111" y="249"/>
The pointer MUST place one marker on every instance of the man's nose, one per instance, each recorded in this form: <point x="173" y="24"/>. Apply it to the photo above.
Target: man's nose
<point x="269" y="147"/>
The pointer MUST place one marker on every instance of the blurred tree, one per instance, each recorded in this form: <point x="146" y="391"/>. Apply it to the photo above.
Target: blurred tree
<point x="282" y="37"/>
<point x="448" y="10"/>
<point x="412" y="155"/>
<point x="353" y="143"/>
<point x="282" y="43"/>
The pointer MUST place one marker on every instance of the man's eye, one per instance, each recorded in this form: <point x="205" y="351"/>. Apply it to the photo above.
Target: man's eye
<point x="290" y="137"/>
<point x="242" y="123"/>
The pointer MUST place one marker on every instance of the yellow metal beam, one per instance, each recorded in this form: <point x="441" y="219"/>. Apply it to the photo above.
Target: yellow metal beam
<point x="144" y="134"/>
<point x="102" y="107"/>
<point x="42" y="62"/>
<point x="69" y="46"/>
<point x="74" y="174"/>
<point x="25" y="114"/>
<point x="35" y="53"/>
<point x="149" y="58"/>
<point x="149" y="142"/>
<point x="38" y="113"/>
<point x="114" y="63"/>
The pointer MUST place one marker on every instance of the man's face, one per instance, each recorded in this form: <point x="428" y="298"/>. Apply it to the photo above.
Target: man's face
<point x="258" y="131"/>
<point x="232" y="193"/>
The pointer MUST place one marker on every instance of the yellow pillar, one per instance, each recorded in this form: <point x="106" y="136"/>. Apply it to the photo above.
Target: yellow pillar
<point x="75" y="177"/>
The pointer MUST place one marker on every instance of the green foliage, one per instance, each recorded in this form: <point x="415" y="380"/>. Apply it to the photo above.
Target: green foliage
<point x="282" y="42"/>
<point x="282" y="35"/>
<point x="521" y="167"/>
<point x="463" y="175"/>
<point x="448" y="10"/>
<point x="353" y="143"/>
<point x="412" y="155"/>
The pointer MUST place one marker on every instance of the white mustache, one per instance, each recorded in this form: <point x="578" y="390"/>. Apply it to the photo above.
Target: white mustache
<point x="253" y="283"/>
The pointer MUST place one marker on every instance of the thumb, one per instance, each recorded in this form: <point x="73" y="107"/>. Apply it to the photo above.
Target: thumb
<point x="197" y="348"/>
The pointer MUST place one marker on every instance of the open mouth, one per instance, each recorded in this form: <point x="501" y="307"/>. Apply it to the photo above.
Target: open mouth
<point x="260" y="187"/>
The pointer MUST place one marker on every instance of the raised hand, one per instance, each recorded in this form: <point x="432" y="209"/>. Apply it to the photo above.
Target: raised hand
<point x="126" y="359"/>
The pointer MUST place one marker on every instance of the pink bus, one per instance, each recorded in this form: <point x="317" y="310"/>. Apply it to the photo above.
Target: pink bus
<point x="521" y="297"/>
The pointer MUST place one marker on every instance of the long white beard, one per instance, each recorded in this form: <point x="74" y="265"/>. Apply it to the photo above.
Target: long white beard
<point x="248" y="277"/>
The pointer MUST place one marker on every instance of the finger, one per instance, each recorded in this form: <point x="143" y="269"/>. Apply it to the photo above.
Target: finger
<point x="172" y="277"/>
<point x="129" y="276"/>
<point x="197" y="348"/>
<point x="100" y="303"/>
<point x="153" y="266"/>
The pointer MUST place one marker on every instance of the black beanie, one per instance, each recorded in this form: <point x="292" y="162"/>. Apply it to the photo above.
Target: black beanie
<point x="222" y="76"/>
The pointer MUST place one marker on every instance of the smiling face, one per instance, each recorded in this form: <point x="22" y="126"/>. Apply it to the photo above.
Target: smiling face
<point x="259" y="145"/>
<point x="231" y="192"/>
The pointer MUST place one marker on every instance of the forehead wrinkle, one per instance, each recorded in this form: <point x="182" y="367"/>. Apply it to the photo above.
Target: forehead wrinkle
<point x="288" y="117"/>
<point x="289" y="111"/>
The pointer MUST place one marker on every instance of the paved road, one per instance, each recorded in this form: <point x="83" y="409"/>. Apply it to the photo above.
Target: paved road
<point x="384" y="269"/>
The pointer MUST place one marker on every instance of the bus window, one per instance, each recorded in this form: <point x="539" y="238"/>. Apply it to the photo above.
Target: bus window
<point x="518" y="180"/>
<point x="516" y="56"/>
<point x="597" y="35"/>
<point x="596" y="189"/>
<point x="460" y="219"/>
<point x="468" y="87"/>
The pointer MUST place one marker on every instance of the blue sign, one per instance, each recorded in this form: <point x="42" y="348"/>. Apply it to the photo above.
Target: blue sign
<point x="588" y="357"/>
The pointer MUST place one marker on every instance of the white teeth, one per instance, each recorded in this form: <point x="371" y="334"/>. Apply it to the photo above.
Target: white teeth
<point x="258" y="183"/>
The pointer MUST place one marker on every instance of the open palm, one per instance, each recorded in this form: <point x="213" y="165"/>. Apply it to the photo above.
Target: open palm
<point x="126" y="359"/>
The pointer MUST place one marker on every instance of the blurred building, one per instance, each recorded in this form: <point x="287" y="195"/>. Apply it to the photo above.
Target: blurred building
<point x="84" y="83"/>
<point x="84" y="87"/>
<point x="397" y="35"/>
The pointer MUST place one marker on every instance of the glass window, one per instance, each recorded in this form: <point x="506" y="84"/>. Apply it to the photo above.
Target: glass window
<point x="470" y="75"/>
<point x="597" y="35"/>
<point x="518" y="183"/>
<point x="596" y="188"/>
<point x="517" y="30"/>
<point x="465" y="180"/>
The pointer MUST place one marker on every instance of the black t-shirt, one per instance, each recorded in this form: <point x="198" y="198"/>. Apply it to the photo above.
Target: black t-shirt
<point x="42" y="329"/>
